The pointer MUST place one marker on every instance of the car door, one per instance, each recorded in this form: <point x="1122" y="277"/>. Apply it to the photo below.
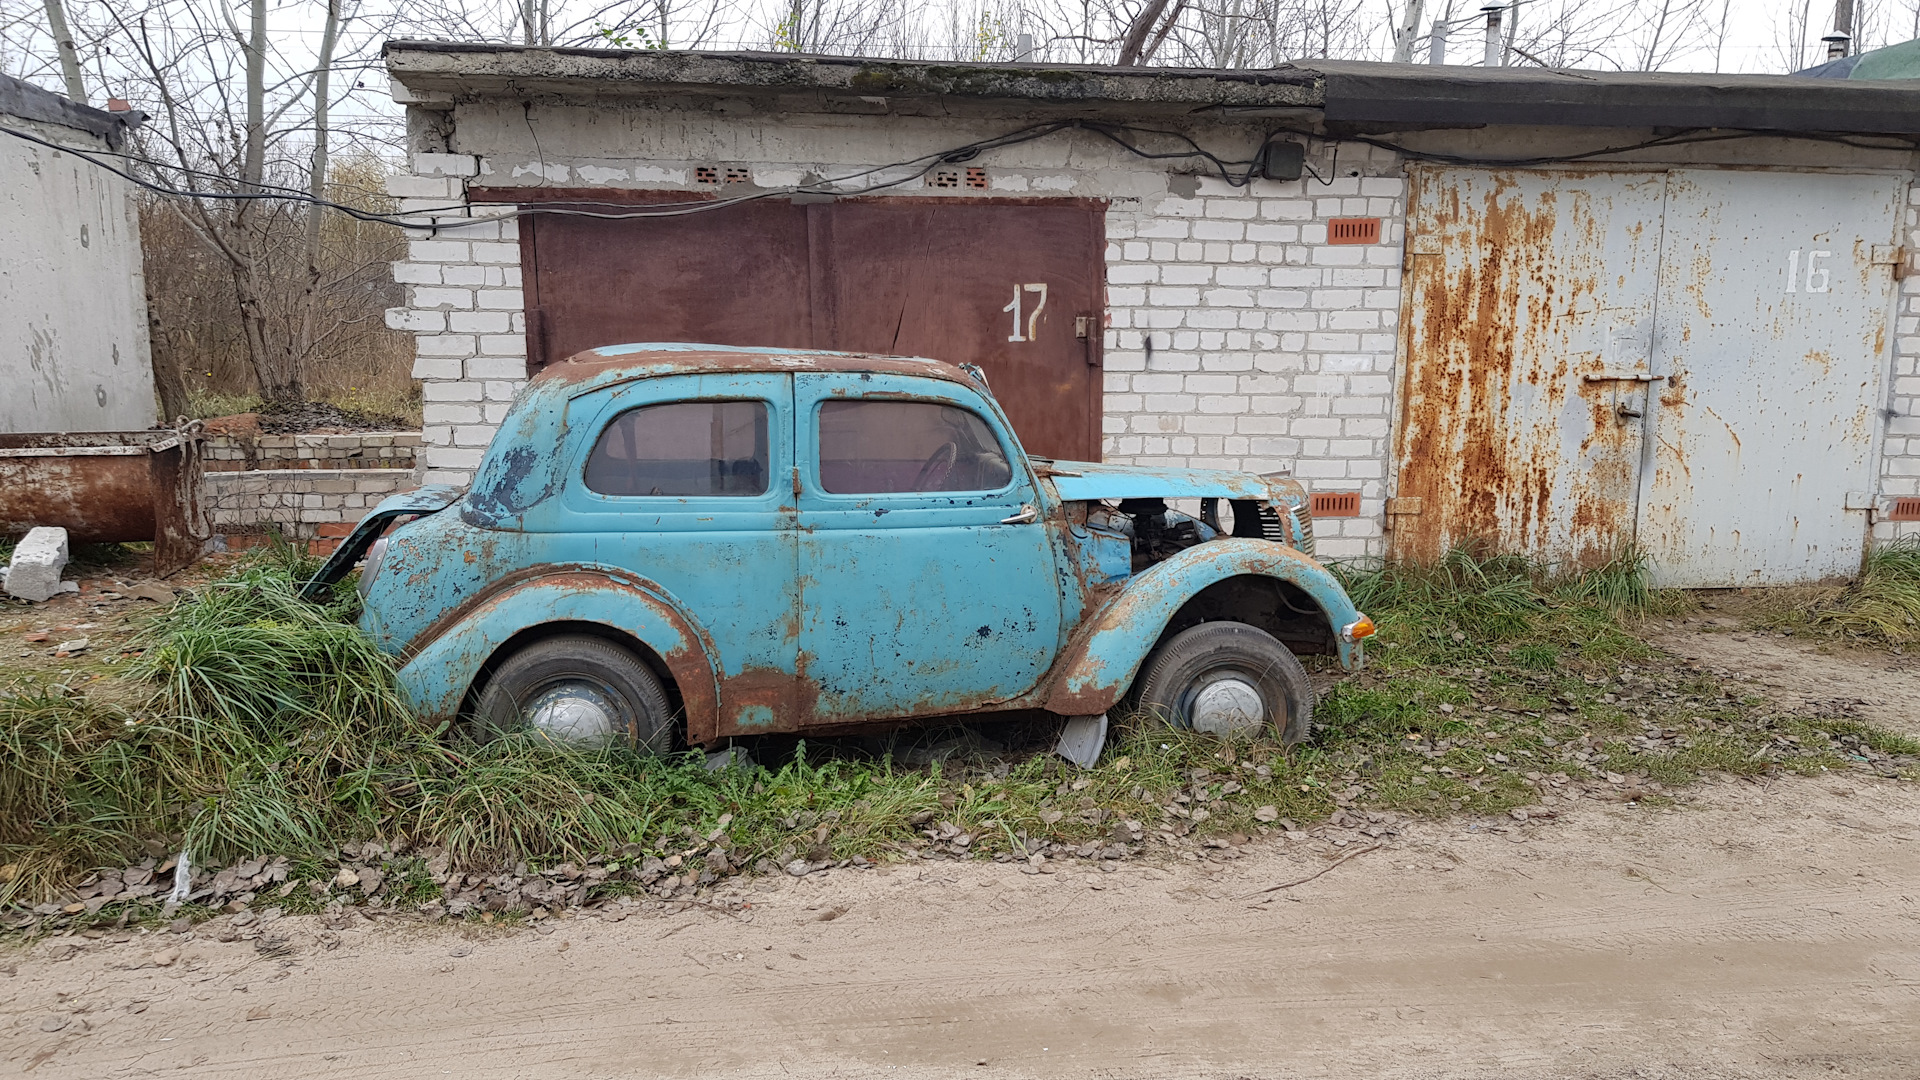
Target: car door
<point x="685" y="482"/>
<point x="927" y="578"/>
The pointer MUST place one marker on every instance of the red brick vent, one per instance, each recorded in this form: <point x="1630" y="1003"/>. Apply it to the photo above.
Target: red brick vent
<point x="1336" y="504"/>
<point x="1353" y="230"/>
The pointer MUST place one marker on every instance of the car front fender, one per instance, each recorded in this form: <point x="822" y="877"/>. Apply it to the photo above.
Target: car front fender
<point x="1106" y="653"/>
<point x="441" y="665"/>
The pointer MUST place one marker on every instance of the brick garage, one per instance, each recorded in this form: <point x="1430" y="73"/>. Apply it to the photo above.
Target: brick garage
<point x="1232" y="332"/>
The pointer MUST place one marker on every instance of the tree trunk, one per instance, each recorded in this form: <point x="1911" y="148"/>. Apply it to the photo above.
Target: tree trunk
<point x="278" y="374"/>
<point x="1135" y="41"/>
<point x="317" y="187"/>
<point x="168" y="384"/>
<point x="63" y="43"/>
<point x="1409" y="33"/>
<point x="1166" y="25"/>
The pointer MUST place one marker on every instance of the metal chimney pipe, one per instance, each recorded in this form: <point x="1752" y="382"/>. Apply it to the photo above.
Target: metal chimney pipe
<point x="1840" y="42"/>
<point x="1496" y="41"/>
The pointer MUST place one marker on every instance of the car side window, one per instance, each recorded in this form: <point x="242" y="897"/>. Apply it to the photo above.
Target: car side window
<point x="683" y="448"/>
<point x="882" y="447"/>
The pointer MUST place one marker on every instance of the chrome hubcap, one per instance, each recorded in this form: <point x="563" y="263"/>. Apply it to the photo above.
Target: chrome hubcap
<point x="1227" y="706"/>
<point x="576" y="713"/>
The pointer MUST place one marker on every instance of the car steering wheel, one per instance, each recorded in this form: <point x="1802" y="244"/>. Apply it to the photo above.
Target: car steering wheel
<point x="939" y="465"/>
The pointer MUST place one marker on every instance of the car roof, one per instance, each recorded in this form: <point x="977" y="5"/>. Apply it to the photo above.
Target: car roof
<point x="618" y="363"/>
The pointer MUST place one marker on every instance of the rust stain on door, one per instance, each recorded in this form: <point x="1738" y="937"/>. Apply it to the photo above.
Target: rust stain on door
<point x="1525" y="344"/>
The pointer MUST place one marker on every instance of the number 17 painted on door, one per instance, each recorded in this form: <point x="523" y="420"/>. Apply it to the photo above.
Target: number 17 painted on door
<point x="1033" y="317"/>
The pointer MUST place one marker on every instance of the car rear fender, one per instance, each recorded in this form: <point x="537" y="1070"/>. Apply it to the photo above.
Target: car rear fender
<point x="440" y="666"/>
<point x="1100" y="663"/>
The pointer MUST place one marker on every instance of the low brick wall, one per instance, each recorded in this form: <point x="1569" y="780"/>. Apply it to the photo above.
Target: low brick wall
<point x="309" y="489"/>
<point x="360" y="450"/>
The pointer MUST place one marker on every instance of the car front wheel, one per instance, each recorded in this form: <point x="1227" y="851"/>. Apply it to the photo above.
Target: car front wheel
<point x="579" y="691"/>
<point x="1227" y="679"/>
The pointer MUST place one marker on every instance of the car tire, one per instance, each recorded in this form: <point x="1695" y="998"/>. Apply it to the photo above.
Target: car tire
<point x="1215" y="676"/>
<point x="579" y="690"/>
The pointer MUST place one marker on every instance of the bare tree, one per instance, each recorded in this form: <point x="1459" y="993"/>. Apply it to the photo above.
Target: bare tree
<point x="236" y="113"/>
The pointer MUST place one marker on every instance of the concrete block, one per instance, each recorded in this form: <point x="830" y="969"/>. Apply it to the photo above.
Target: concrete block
<point x="446" y="164"/>
<point x="420" y="187"/>
<point x="38" y="559"/>
<point x="407" y="273"/>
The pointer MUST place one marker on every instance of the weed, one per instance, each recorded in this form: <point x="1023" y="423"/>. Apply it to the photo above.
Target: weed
<point x="254" y="722"/>
<point x="1884" y="604"/>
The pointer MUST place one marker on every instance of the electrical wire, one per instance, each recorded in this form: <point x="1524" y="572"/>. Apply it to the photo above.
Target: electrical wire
<point x="1234" y="172"/>
<point x="1686" y="137"/>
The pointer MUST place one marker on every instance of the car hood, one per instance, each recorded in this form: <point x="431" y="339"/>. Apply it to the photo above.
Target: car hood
<point x="1092" y="481"/>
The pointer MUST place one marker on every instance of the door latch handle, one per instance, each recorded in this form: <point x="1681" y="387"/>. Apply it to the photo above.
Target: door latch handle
<point x="1628" y="414"/>
<point x="1027" y="513"/>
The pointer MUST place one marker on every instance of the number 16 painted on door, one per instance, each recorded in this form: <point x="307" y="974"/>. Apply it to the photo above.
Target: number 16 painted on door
<point x="1819" y="278"/>
<point x="1033" y="317"/>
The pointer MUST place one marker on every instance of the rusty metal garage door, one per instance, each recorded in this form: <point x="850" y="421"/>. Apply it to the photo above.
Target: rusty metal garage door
<point x="1597" y="359"/>
<point x="1014" y="287"/>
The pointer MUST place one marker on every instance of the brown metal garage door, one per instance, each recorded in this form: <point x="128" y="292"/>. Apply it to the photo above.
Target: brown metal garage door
<point x="1014" y="287"/>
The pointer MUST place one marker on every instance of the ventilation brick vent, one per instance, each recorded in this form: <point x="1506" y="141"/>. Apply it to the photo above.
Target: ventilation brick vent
<point x="1353" y="230"/>
<point x="1336" y="504"/>
<point x="706" y="174"/>
<point x="1907" y="509"/>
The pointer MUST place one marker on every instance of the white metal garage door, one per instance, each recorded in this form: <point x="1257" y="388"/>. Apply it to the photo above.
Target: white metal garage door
<point x="1687" y="360"/>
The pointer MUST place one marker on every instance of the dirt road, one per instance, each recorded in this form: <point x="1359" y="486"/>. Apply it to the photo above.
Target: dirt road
<point x="1800" y="673"/>
<point x="1761" y="930"/>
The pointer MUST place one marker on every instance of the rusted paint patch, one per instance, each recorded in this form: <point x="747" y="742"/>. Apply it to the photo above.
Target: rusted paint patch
<point x="1510" y="434"/>
<point x="107" y="487"/>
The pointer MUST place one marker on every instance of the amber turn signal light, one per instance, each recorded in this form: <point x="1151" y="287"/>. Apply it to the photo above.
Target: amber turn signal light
<point x="1359" y="628"/>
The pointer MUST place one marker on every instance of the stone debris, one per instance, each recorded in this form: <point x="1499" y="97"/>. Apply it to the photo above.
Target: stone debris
<point x="34" y="573"/>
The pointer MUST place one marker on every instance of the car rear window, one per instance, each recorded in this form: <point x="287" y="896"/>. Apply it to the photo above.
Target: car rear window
<point x="683" y="448"/>
<point x="879" y="447"/>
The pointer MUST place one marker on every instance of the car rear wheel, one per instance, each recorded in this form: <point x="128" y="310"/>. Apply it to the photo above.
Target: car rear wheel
<point x="579" y="691"/>
<point x="1227" y="679"/>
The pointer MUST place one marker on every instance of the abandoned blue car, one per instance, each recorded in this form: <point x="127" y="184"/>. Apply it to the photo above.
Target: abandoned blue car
<point x="678" y="544"/>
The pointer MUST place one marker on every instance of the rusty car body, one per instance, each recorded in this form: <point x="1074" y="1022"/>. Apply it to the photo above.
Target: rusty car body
<point x="670" y="542"/>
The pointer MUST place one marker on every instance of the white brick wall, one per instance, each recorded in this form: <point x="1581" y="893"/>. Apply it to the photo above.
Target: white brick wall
<point x="1240" y="339"/>
<point x="1900" y="452"/>
<point x="466" y="312"/>
<point x="296" y="500"/>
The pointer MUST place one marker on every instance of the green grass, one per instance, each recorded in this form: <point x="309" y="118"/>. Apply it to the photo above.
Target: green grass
<point x="1881" y="607"/>
<point x="254" y="723"/>
<point x="1884" y="605"/>
<point x="205" y="404"/>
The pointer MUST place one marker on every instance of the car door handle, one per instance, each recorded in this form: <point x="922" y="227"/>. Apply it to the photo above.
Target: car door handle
<point x="1027" y="513"/>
